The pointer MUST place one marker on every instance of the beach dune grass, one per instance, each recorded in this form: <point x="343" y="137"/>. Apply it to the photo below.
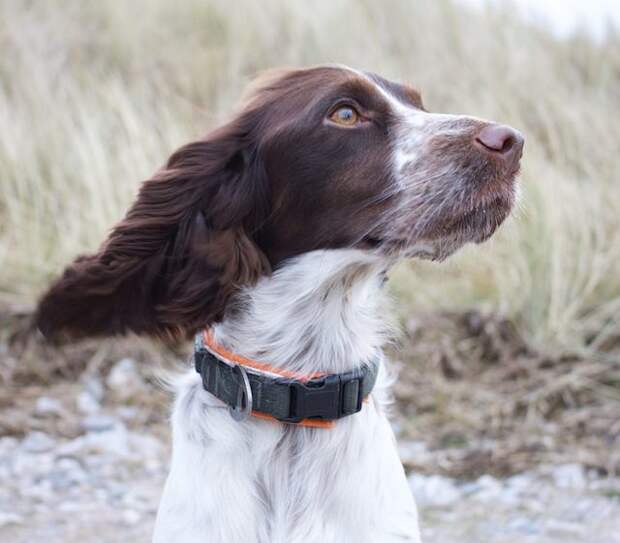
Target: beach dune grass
<point x="94" y="96"/>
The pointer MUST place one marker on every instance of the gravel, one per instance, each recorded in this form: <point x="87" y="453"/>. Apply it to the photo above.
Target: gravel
<point x="102" y="483"/>
<point x="552" y="504"/>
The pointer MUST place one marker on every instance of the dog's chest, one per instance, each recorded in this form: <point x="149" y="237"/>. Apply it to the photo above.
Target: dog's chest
<point x="264" y="482"/>
<point x="268" y="483"/>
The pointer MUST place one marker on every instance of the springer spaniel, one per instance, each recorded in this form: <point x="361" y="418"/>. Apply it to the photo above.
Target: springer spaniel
<point x="274" y="233"/>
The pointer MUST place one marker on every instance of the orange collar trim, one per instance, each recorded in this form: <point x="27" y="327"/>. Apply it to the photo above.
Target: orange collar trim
<point x="220" y="351"/>
<point x="209" y="341"/>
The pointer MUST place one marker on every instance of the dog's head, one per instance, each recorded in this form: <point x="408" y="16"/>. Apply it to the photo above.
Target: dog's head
<point x="317" y="158"/>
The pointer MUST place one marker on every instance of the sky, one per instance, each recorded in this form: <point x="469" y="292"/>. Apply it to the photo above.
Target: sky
<point x="565" y="16"/>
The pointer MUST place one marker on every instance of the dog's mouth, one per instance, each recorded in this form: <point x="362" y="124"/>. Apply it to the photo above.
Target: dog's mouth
<point x="479" y="224"/>
<point x="448" y="232"/>
<point x="372" y="242"/>
<point x="399" y="247"/>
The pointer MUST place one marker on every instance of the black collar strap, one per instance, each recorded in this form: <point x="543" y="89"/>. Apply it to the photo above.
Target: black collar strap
<point x="311" y="402"/>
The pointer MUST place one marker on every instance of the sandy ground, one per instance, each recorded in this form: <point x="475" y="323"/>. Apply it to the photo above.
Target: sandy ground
<point x="100" y="481"/>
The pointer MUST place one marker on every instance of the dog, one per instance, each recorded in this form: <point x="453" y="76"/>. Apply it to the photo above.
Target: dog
<point x="270" y="238"/>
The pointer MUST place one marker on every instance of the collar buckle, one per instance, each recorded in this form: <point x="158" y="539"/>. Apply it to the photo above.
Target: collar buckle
<point x="317" y="398"/>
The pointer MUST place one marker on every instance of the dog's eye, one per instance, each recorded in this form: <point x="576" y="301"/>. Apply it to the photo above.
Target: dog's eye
<point x="345" y="115"/>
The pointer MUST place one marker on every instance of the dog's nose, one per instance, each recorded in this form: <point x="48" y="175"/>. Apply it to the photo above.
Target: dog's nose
<point x="502" y="141"/>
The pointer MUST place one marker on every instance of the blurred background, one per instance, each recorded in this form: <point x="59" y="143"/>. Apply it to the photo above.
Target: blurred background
<point x="508" y="401"/>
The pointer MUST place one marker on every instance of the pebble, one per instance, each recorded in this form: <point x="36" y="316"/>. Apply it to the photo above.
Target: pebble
<point x="70" y="470"/>
<point x="95" y="388"/>
<point x="48" y="406"/>
<point x="37" y="442"/>
<point x="570" y="476"/>
<point x="131" y="517"/>
<point x="524" y="525"/>
<point x="124" y="380"/>
<point x="94" y="444"/>
<point x="7" y="519"/>
<point x="98" y="423"/>
<point x="89" y="399"/>
<point x="488" y="488"/>
<point x="71" y="507"/>
<point x="433" y="490"/>
<point x="414" y="453"/>
<point x="145" y="446"/>
<point x="127" y="412"/>
<point x="87" y="403"/>
<point x="564" y="528"/>
<point x="8" y="444"/>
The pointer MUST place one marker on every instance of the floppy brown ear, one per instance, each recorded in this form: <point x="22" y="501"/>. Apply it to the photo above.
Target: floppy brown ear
<point x="170" y="266"/>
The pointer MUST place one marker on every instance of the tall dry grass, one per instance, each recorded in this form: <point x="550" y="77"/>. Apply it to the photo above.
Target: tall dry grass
<point x="95" y="95"/>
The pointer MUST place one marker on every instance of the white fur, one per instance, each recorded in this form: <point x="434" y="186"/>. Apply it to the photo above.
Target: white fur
<point x="416" y="128"/>
<point x="264" y="482"/>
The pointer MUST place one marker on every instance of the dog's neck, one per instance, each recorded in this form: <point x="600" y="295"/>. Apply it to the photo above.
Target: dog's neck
<point x="260" y="481"/>
<point x="321" y="311"/>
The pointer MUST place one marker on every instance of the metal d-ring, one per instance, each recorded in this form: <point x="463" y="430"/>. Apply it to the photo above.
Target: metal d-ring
<point x="243" y="407"/>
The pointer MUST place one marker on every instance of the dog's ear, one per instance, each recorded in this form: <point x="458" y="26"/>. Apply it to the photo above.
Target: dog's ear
<point x="170" y="266"/>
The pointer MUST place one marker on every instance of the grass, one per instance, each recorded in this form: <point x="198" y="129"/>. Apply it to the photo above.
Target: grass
<point x="95" y="95"/>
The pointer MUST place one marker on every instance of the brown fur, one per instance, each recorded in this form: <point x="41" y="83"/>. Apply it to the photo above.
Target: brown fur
<point x="280" y="179"/>
<point x="213" y="219"/>
<point x="173" y="262"/>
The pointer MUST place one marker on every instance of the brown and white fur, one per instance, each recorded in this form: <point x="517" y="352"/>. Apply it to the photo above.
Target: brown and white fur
<point x="276" y="230"/>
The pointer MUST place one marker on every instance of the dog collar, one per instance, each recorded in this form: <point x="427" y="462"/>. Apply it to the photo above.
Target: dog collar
<point x="253" y="388"/>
